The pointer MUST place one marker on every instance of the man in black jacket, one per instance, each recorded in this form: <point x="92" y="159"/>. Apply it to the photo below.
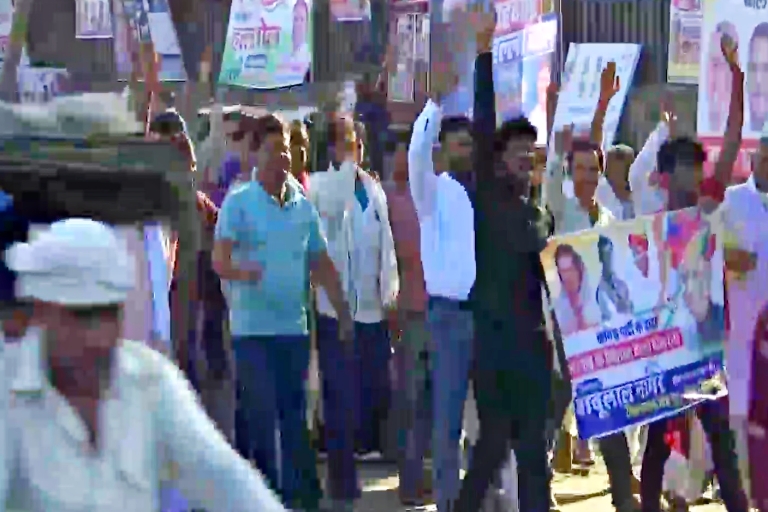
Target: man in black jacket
<point x="513" y="353"/>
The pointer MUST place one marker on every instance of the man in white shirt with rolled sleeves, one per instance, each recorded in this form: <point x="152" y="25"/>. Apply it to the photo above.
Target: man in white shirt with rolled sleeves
<point x="446" y="216"/>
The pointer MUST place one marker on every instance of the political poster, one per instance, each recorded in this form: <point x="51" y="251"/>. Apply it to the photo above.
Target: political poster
<point x="522" y="72"/>
<point x="351" y="10"/>
<point x="41" y="85"/>
<point x="453" y="41"/>
<point x="93" y="19"/>
<point x="684" y="41"/>
<point x="580" y="85"/>
<point x="147" y="20"/>
<point x="641" y="308"/>
<point x="747" y="23"/>
<point x="269" y="44"/>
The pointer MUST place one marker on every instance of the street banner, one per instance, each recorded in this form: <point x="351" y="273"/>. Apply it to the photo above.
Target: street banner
<point x="351" y="10"/>
<point x="684" y="41"/>
<point x="148" y="20"/>
<point x="93" y="19"/>
<point x="580" y="87"/>
<point x="747" y="24"/>
<point x="269" y="44"/>
<point x="522" y="70"/>
<point x="640" y="305"/>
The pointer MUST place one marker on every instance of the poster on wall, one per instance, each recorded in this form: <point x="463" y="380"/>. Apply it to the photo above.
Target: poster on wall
<point x="269" y="44"/>
<point x="747" y="24"/>
<point x="454" y="42"/>
<point x="401" y="80"/>
<point x="93" y="19"/>
<point x="522" y="72"/>
<point x="642" y="332"/>
<point x="147" y="20"/>
<point x="350" y="10"/>
<point x="580" y="86"/>
<point x="684" y="41"/>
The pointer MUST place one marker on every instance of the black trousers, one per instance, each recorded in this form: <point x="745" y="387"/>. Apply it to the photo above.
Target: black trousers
<point x="714" y="420"/>
<point x="512" y="381"/>
<point x="618" y="463"/>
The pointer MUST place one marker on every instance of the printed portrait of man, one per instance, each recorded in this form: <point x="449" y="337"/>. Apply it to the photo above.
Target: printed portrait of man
<point x="538" y="113"/>
<point x="696" y="279"/>
<point x="718" y="86"/>
<point x="757" y="77"/>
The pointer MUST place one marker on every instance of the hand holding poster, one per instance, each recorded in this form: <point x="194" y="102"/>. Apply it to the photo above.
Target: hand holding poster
<point x="581" y="85"/>
<point x="747" y="23"/>
<point x="269" y="44"/>
<point x="640" y="331"/>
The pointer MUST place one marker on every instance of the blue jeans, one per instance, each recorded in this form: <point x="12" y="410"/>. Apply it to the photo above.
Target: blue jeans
<point x="271" y="377"/>
<point x="452" y="333"/>
<point x="337" y="370"/>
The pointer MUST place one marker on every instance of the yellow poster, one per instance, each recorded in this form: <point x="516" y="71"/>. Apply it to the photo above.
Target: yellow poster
<point x="685" y="18"/>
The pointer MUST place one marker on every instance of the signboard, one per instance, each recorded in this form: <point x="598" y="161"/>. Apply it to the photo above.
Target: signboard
<point x="580" y="87"/>
<point x="643" y="334"/>
<point x="684" y="41"/>
<point x="747" y="24"/>
<point x="269" y="44"/>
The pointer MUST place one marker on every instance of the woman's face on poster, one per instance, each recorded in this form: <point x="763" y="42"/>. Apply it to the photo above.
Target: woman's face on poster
<point x="299" y="25"/>
<point x="570" y="274"/>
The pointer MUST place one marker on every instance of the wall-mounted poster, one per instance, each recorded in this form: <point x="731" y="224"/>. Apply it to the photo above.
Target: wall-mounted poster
<point x="269" y="44"/>
<point x="93" y="19"/>
<point x="351" y="10"/>
<point x="684" y="41"/>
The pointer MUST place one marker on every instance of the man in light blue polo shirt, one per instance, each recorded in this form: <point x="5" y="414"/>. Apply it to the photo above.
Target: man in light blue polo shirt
<point x="268" y="244"/>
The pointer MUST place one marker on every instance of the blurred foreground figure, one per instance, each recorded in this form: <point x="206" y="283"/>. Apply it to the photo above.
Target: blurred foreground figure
<point x="95" y="423"/>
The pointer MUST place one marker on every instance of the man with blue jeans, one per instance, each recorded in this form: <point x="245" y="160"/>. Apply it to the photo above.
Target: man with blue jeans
<point x="446" y="218"/>
<point x="268" y="239"/>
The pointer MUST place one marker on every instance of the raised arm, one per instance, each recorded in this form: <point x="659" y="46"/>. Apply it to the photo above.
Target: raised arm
<point x="421" y="169"/>
<point x="645" y="161"/>
<point x="609" y="86"/>
<point x="732" y="137"/>
<point x="554" y="199"/>
<point x="484" y="109"/>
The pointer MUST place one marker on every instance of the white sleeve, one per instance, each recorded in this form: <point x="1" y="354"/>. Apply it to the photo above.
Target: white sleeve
<point x="211" y="475"/>
<point x="421" y="169"/>
<point x="389" y="279"/>
<point x="645" y="162"/>
<point x="554" y="199"/>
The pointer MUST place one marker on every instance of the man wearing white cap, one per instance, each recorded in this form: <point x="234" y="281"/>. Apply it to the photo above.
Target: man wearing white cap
<point x="95" y="422"/>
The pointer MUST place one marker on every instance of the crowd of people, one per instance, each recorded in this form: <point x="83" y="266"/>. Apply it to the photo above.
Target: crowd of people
<point x="413" y="286"/>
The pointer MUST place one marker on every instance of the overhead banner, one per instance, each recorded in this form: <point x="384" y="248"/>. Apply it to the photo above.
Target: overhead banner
<point x="522" y="72"/>
<point x="351" y="10"/>
<point x="148" y="20"/>
<point x="684" y="41"/>
<point x="641" y="308"/>
<point x="580" y="87"/>
<point x="747" y="24"/>
<point x="269" y="44"/>
<point x="93" y="19"/>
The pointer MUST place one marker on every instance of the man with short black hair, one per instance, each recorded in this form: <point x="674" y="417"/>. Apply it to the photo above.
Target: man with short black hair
<point x="269" y="243"/>
<point x="513" y="352"/>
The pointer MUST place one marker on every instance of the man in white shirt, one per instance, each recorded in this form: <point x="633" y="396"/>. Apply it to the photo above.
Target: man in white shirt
<point x="446" y="217"/>
<point x="354" y="214"/>
<point x="94" y="420"/>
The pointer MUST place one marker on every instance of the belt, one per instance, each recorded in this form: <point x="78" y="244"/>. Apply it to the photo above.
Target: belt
<point x="461" y="305"/>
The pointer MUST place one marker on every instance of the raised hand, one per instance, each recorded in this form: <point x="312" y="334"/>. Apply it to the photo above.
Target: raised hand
<point x="610" y="83"/>
<point x="668" y="113"/>
<point x="564" y="140"/>
<point x="483" y="21"/>
<point x="730" y="51"/>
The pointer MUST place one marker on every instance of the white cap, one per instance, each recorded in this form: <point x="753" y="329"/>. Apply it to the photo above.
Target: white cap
<point x="76" y="262"/>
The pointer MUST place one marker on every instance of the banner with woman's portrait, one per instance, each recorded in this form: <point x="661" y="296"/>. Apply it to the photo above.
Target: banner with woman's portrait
<point x="747" y="24"/>
<point x="640" y="305"/>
